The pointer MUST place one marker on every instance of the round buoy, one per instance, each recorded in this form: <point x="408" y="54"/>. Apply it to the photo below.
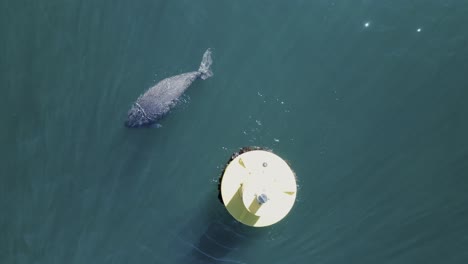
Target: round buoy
<point x="258" y="188"/>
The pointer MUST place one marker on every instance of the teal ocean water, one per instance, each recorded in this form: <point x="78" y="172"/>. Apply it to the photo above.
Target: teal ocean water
<point x="367" y="100"/>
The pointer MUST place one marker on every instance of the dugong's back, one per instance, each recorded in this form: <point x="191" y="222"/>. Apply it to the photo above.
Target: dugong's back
<point x="158" y="100"/>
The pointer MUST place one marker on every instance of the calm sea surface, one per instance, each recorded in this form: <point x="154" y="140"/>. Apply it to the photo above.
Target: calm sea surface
<point x="367" y="100"/>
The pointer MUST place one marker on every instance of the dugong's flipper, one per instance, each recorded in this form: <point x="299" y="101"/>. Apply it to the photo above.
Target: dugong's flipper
<point x="205" y="65"/>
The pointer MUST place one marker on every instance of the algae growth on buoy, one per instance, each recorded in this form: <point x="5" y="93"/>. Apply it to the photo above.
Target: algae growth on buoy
<point x="258" y="188"/>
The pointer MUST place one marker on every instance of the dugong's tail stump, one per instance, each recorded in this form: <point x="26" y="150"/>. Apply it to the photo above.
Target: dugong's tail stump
<point x="257" y="187"/>
<point x="205" y="65"/>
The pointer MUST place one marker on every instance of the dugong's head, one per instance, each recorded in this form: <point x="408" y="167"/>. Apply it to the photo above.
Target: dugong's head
<point x="136" y="117"/>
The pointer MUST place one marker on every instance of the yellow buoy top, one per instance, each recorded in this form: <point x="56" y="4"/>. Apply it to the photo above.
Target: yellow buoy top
<point x="258" y="188"/>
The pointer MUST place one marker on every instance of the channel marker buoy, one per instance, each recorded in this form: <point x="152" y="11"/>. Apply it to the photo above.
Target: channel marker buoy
<point x="258" y="188"/>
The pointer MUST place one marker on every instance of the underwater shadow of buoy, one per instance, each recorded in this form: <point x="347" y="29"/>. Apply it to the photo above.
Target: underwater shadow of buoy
<point x="223" y="239"/>
<point x="215" y="237"/>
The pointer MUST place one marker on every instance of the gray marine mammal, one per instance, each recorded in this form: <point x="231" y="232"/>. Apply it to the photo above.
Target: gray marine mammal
<point x="159" y="99"/>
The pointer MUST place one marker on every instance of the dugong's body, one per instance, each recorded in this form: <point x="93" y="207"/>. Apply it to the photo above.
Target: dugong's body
<point x="159" y="99"/>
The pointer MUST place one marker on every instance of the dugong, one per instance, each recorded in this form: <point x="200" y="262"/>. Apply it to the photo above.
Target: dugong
<point x="159" y="99"/>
